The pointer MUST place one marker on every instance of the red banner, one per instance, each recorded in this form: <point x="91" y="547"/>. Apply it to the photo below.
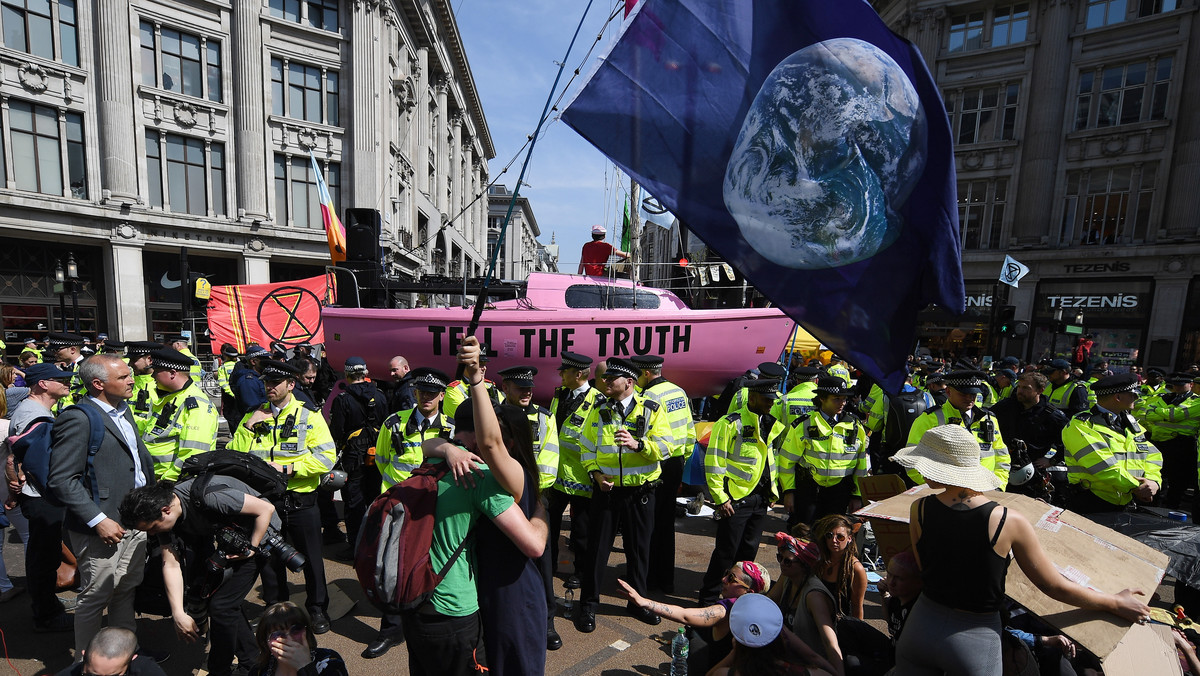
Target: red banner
<point x="288" y="312"/>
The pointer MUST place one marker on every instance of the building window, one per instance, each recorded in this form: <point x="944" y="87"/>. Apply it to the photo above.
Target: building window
<point x="76" y="157"/>
<point x="313" y="93"/>
<point x="194" y="174"/>
<point x="190" y="64"/>
<point x="1010" y="25"/>
<point x="966" y="32"/>
<point x="984" y="114"/>
<point x="323" y="14"/>
<point x="1108" y="206"/>
<point x="296" y="174"/>
<point x="29" y="27"/>
<point x="1123" y="94"/>
<point x="1105" y="12"/>
<point x="981" y="212"/>
<point x="320" y="14"/>
<point x="1148" y="7"/>
<point x="37" y="155"/>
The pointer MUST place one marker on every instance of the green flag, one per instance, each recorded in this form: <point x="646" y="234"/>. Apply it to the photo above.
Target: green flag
<point x="625" y="229"/>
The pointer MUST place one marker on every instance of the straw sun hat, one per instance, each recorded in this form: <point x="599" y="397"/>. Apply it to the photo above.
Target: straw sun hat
<point x="949" y="455"/>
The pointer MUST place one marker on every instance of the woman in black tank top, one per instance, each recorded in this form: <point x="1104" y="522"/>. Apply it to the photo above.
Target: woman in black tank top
<point x="964" y="542"/>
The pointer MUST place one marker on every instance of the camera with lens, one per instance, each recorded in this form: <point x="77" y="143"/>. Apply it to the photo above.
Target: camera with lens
<point x="232" y="541"/>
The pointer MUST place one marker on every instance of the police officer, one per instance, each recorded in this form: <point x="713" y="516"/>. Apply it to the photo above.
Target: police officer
<point x="111" y="346"/>
<point x="456" y="392"/>
<point x="798" y="402"/>
<point x="632" y="434"/>
<point x="517" y="384"/>
<point x="674" y="403"/>
<point x="182" y="344"/>
<point x="739" y="467"/>
<point x="572" y="406"/>
<point x="1108" y="457"/>
<point x="769" y="370"/>
<point x="962" y="388"/>
<point x="398" y="449"/>
<point x="229" y="358"/>
<point x="183" y="422"/>
<point x="296" y="441"/>
<point x="822" y="457"/>
<point x="1065" y="391"/>
<point x="1006" y="380"/>
<point x="1171" y="421"/>
<point x="1155" y="382"/>
<point x="145" y="390"/>
<point x="838" y="368"/>
<point x="65" y="349"/>
<point x="935" y="385"/>
<point x="246" y="382"/>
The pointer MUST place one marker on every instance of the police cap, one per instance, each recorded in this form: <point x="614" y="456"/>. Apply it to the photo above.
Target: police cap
<point x="137" y="348"/>
<point x="57" y="341"/>
<point x="1122" y="382"/>
<point x="970" y="382"/>
<point x="573" y="360"/>
<point x="113" y="347"/>
<point x="768" y="387"/>
<point x="279" y="370"/>
<point x="770" y="369"/>
<point x="521" y="376"/>
<point x="1059" y="365"/>
<point x="256" y="351"/>
<point x="429" y="379"/>
<point x="167" y="358"/>
<point x="647" y="361"/>
<point x="622" y="368"/>
<point x="229" y="351"/>
<point x="355" y="365"/>
<point x="1179" y="378"/>
<point x="807" y="372"/>
<point x="832" y="385"/>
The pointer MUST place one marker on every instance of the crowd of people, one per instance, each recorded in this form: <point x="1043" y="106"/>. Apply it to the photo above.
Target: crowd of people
<point x="616" y="448"/>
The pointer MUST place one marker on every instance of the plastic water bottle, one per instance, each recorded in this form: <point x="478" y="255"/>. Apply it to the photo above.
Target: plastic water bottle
<point x="679" y="653"/>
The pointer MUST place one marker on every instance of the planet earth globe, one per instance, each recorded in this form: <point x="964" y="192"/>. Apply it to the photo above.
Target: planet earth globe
<point x="829" y="152"/>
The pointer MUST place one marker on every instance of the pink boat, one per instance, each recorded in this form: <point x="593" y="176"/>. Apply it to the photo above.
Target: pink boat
<point x="598" y="317"/>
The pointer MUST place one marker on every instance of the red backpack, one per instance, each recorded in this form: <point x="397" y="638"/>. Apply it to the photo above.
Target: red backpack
<point x="392" y="555"/>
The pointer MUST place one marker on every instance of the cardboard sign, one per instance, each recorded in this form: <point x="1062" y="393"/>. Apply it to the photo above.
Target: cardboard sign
<point x="1146" y="649"/>
<point x="1083" y="551"/>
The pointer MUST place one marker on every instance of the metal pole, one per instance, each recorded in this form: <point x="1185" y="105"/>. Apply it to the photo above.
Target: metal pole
<point x="75" y="303"/>
<point x="62" y="310"/>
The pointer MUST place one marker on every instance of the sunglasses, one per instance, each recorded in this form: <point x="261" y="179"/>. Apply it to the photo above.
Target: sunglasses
<point x="296" y="630"/>
<point x="786" y="560"/>
<point x="837" y="537"/>
<point x="731" y="578"/>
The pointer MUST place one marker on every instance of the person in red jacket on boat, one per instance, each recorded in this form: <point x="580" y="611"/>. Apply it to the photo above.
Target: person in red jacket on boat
<point x="596" y="252"/>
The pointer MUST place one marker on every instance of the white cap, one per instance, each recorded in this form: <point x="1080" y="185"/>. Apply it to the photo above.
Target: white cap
<point x="755" y="620"/>
<point x="598" y="230"/>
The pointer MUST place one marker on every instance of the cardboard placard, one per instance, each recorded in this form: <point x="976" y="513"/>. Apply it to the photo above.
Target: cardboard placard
<point x="1083" y="551"/>
<point x="1146" y="649"/>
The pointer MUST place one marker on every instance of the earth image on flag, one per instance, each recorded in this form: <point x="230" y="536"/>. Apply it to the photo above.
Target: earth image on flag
<point x="831" y="148"/>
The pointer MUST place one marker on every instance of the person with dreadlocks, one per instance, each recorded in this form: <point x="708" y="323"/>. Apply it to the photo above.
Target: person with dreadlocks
<point x="839" y="568"/>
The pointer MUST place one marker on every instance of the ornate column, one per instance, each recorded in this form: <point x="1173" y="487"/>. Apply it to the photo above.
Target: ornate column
<point x="456" y="121"/>
<point x="421" y="156"/>
<point x="248" y="111"/>
<point x="118" y="150"/>
<point x="125" y="283"/>
<point x="1183" y="200"/>
<point x="441" y="84"/>
<point x="365" y="81"/>
<point x="1043" y="133"/>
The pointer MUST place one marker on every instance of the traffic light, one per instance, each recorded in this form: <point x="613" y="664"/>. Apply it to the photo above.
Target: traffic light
<point x="1005" y="319"/>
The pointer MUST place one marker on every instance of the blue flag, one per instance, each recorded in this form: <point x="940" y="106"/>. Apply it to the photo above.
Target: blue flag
<point x="804" y="142"/>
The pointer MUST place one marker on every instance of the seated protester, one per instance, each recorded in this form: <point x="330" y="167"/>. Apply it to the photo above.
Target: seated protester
<point x="839" y="568"/>
<point x="113" y="650"/>
<point x="809" y="610"/>
<point x="763" y="646"/>
<point x="287" y="645"/>
<point x="745" y="577"/>
<point x="1056" y="655"/>
<point x="183" y="521"/>
<point x="901" y="589"/>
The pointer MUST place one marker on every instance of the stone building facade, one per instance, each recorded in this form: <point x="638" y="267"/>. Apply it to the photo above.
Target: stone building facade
<point x="1078" y="153"/>
<point x="521" y="253"/>
<point x="133" y="129"/>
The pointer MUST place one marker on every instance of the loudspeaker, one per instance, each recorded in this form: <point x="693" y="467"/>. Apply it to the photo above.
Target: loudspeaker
<point x="363" y="227"/>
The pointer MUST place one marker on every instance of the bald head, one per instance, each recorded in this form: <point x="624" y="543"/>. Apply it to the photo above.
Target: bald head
<point x="398" y="367"/>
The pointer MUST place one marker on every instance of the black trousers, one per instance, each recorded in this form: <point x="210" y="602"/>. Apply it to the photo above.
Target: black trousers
<point x="634" y="509"/>
<point x="441" y="645"/>
<point x="328" y="510"/>
<point x="546" y="566"/>
<point x="1086" y="502"/>
<point x="737" y="540"/>
<point x="43" y="553"/>
<point x="581" y="508"/>
<point x="662" y="540"/>
<point x="229" y="631"/>
<point x="812" y="501"/>
<point x="361" y="489"/>
<point x="1179" y="468"/>
<point x="302" y="528"/>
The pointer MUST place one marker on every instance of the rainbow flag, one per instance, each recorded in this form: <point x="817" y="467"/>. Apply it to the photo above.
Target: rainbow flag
<point x="333" y="227"/>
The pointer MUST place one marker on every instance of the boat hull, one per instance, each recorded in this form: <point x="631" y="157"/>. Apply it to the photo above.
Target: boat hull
<point x="702" y="349"/>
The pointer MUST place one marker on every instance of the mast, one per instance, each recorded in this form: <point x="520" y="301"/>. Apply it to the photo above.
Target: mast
<point x="635" y="229"/>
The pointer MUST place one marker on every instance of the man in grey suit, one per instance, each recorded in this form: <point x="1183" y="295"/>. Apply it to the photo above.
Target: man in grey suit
<point x="111" y="559"/>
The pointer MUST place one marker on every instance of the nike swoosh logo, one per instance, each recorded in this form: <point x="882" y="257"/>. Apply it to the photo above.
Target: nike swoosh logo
<point x="169" y="284"/>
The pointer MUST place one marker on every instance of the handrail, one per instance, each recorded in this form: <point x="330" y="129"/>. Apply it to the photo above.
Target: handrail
<point x="353" y="277"/>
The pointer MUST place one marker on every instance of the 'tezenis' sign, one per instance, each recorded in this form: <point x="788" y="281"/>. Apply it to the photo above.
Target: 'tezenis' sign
<point x="1116" y="300"/>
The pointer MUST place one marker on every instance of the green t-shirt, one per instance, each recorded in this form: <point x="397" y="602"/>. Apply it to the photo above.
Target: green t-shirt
<point x="457" y="510"/>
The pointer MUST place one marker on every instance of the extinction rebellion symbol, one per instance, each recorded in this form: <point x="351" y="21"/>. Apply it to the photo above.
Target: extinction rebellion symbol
<point x="301" y="314"/>
<point x="1012" y="272"/>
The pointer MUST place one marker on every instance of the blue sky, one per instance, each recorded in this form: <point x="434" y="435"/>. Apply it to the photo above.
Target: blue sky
<point x="513" y="47"/>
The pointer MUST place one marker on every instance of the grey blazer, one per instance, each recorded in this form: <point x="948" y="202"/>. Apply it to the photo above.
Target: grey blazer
<point x="113" y="466"/>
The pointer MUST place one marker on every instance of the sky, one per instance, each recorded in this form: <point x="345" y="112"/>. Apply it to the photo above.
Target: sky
<point x="513" y="47"/>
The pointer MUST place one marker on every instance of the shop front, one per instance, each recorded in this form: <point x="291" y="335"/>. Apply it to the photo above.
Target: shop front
<point x="1114" y="312"/>
<point x="942" y="334"/>
<point x="164" y="294"/>
<point x="33" y="303"/>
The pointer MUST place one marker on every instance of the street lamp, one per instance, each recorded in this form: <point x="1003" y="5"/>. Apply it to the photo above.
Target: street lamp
<point x="73" y="278"/>
<point x="59" y="279"/>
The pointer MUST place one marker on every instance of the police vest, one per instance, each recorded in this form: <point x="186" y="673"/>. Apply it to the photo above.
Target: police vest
<point x="575" y="434"/>
<point x="627" y="467"/>
<point x="993" y="453"/>
<point x="674" y="403"/>
<point x="545" y="441"/>
<point x="831" y="452"/>
<point x="180" y="424"/>
<point x="1107" y="453"/>
<point x="296" y="436"/>
<point x="738" y="455"/>
<point x="398" y="448"/>
<point x="456" y="394"/>
<point x="797" y="403"/>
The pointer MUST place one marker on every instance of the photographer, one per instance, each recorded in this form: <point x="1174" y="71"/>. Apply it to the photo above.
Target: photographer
<point x="221" y="530"/>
